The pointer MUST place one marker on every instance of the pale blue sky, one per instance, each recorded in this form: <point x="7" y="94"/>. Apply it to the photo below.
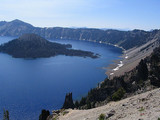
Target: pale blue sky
<point x="120" y="14"/>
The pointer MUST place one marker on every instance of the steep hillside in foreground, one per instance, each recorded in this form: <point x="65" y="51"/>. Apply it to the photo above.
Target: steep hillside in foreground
<point x="125" y="39"/>
<point x="139" y="107"/>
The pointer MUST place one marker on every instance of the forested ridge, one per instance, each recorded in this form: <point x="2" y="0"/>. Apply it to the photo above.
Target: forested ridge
<point x="125" y="39"/>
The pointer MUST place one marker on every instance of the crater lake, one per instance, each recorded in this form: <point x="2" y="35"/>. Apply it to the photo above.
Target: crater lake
<point x="29" y="85"/>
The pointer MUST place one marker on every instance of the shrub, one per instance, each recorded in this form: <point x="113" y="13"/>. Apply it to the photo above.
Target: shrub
<point x="118" y="94"/>
<point x="141" y="109"/>
<point x="101" y="117"/>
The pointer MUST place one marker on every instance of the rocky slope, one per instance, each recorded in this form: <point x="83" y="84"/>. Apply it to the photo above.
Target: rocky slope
<point x="125" y="39"/>
<point x="132" y="57"/>
<point x="139" y="107"/>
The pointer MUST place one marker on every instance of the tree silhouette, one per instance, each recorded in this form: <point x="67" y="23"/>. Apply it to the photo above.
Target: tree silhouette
<point x="142" y="73"/>
<point x="5" y="114"/>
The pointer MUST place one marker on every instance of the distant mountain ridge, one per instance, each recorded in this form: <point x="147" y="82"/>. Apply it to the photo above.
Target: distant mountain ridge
<point x="125" y="39"/>
<point x="2" y="23"/>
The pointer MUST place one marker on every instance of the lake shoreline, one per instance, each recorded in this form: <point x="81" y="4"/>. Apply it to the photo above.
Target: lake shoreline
<point x="117" y="63"/>
<point x="129" y="60"/>
<point x="115" y="66"/>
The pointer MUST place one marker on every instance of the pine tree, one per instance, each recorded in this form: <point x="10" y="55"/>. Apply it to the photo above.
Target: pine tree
<point x="5" y="114"/>
<point x="142" y="70"/>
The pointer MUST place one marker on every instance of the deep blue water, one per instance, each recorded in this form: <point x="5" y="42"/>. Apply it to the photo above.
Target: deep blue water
<point x="28" y="86"/>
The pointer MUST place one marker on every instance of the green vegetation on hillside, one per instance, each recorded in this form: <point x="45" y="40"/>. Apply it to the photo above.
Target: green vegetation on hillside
<point x="101" y="117"/>
<point x="144" y="77"/>
<point x="118" y="94"/>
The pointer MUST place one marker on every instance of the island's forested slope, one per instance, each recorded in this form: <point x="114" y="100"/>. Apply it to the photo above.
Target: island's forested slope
<point x="34" y="46"/>
<point x="125" y="39"/>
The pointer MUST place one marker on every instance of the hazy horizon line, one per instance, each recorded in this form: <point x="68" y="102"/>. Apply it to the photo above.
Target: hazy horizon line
<point x="78" y="27"/>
